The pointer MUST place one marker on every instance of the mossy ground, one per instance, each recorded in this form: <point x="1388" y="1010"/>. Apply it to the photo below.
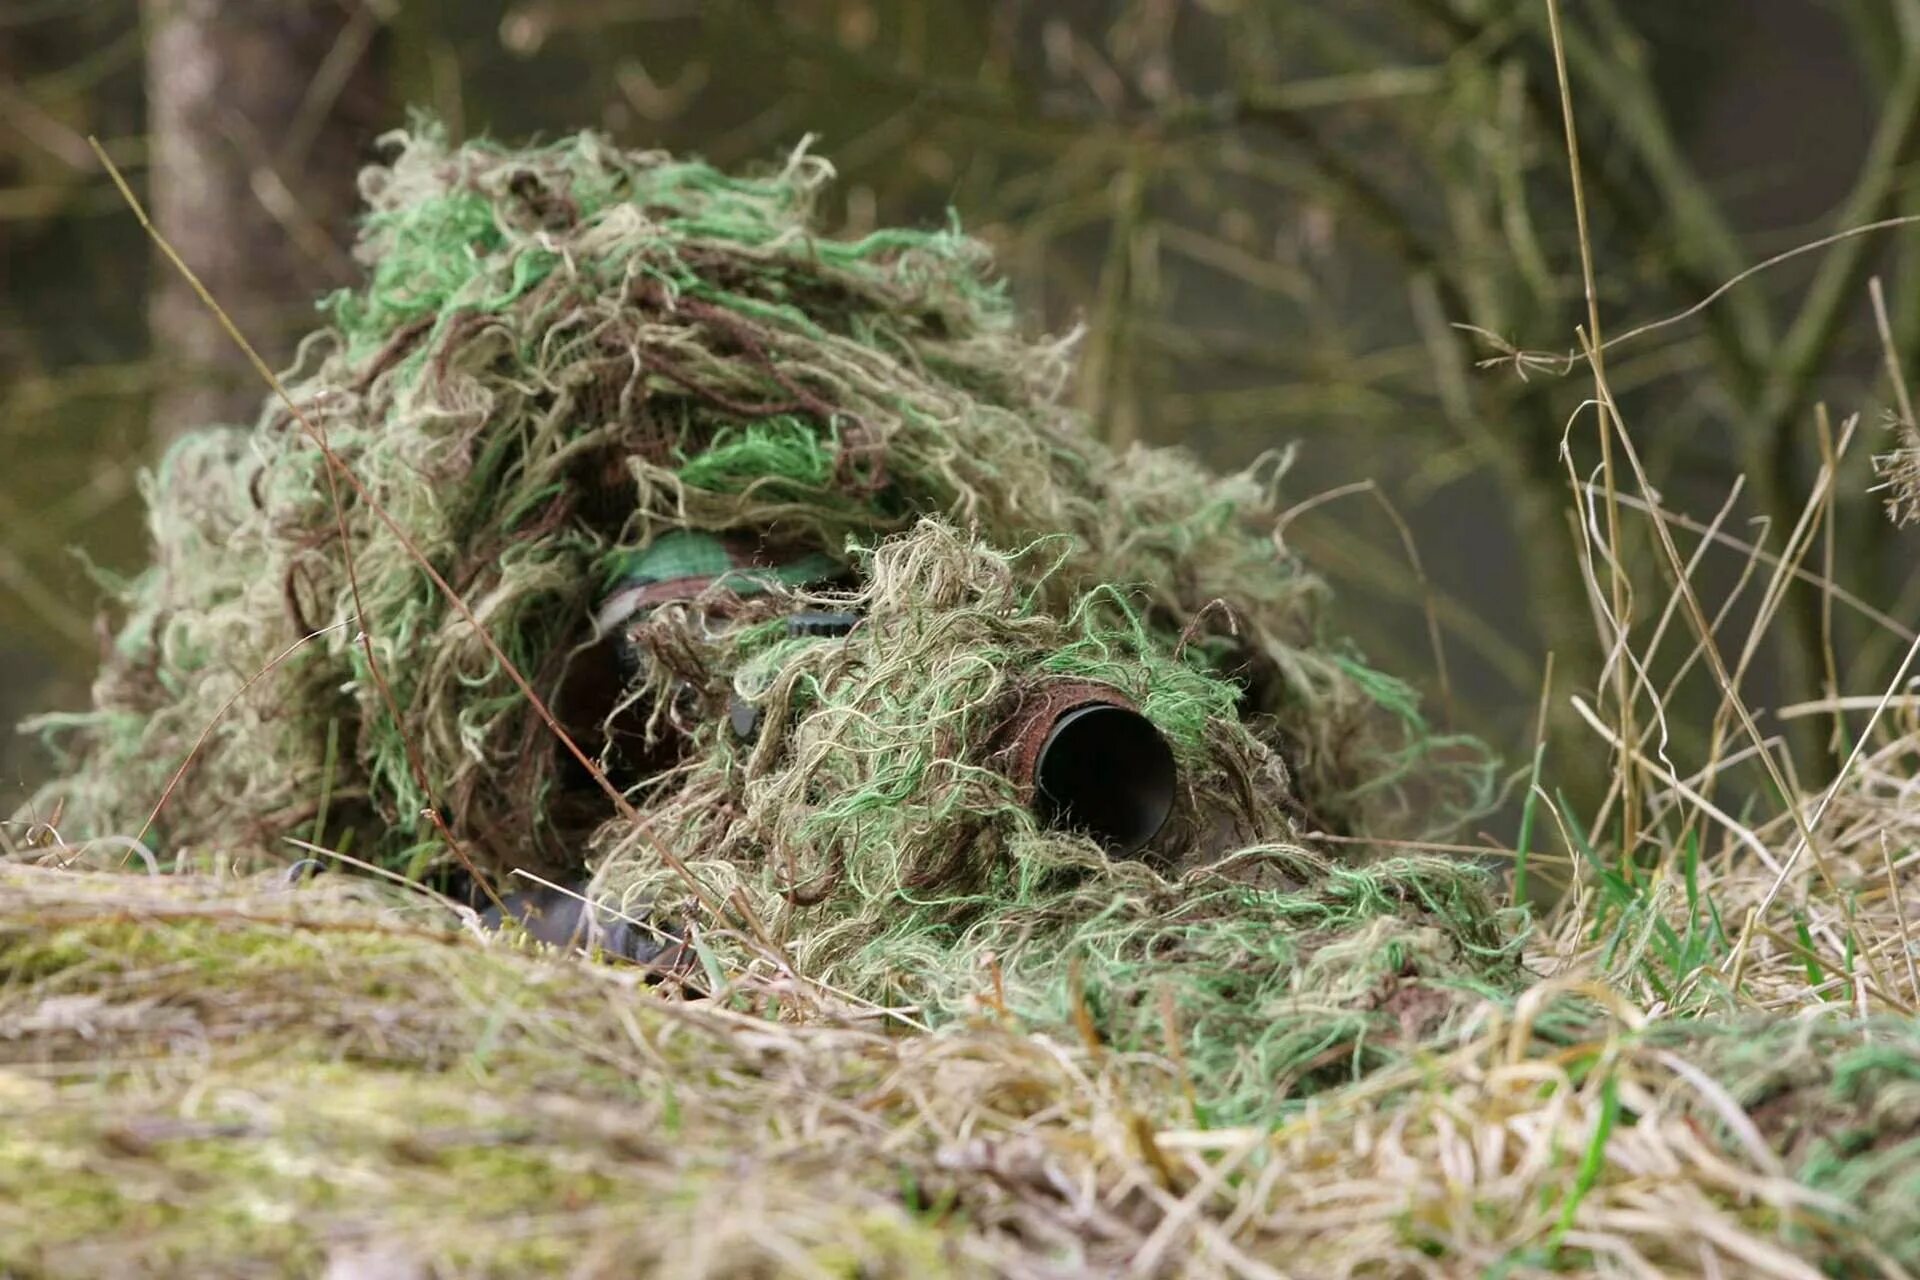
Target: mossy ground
<point x="213" y="1076"/>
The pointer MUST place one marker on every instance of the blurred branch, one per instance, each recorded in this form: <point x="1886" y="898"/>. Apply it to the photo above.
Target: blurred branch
<point x="44" y="130"/>
<point x="1842" y="273"/>
<point x="24" y="13"/>
<point x="349" y="50"/>
<point x="43" y="602"/>
<point x="1358" y="193"/>
<point x="526" y="28"/>
<point x="1880" y="28"/>
<point x="1236" y="262"/>
<point x="41" y="204"/>
<point x="1683" y="221"/>
<point x="1399" y="367"/>
<point x="1342" y="90"/>
<point x="1107" y="366"/>
<point x="1884" y="34"/>
<point x="1395" y="578"/>
<point x="1516" y="213"/>
<point x="1008" y="103"/>
<point x="1705" y="241"/>
<point x="118" y="54"/>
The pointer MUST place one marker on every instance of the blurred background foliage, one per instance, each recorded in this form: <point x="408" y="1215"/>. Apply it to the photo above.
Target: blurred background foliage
<point x="1281" y="223"/>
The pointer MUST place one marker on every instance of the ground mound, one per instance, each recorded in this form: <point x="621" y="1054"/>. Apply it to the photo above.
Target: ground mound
<point x="201" y="1075"/>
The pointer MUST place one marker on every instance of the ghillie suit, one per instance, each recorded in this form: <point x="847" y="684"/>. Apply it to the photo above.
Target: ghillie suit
<point x="565" y="360"/>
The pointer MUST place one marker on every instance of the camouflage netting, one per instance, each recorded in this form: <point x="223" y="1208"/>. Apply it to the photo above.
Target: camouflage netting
<point x="565" y="356"/>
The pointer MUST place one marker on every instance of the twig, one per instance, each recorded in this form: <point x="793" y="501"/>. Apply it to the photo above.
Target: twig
<point x="1842" y="272"/>
<point x="1629" y="811"/>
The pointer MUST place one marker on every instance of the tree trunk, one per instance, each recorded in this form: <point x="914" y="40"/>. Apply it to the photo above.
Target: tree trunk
<point x="260" y="114"/>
